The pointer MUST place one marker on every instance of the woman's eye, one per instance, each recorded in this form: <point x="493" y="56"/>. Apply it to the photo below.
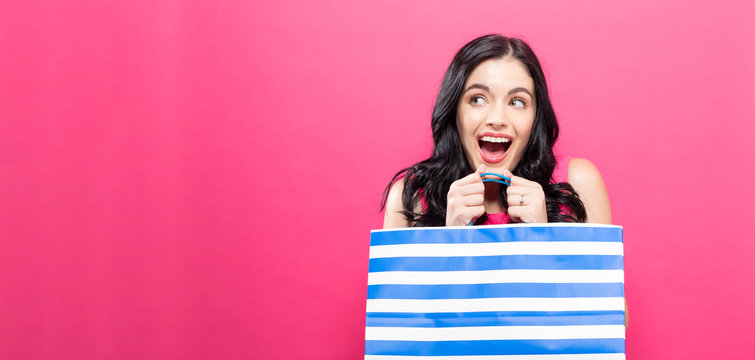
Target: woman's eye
<point x="477" y="100"/>
<point x="516" y="102"/>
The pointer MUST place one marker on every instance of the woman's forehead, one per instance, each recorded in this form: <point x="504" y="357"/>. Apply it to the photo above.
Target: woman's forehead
<point x="501" y="74"/>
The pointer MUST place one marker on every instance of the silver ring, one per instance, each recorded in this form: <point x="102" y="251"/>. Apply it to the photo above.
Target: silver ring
<point x="521" y="200"/>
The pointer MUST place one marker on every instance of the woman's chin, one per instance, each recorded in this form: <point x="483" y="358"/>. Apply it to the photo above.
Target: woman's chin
<point x="495" y="168"/>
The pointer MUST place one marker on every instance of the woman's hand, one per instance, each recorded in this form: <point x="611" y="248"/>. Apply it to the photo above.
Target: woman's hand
<point x="526" y="200"/>
<point x="466" y="198"/>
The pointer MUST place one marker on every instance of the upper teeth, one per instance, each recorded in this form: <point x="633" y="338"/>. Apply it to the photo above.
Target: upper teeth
<point x="494" y="139"/>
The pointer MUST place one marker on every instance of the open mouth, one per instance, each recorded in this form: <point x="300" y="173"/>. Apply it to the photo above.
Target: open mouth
<point x="493" y="148"/>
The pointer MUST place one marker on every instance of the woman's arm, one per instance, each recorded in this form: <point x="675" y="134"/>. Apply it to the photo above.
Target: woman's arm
<point x="587" y="182"/>
<point x="394" y="206"/>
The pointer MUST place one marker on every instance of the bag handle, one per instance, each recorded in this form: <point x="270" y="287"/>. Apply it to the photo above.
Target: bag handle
<point x="506" y="181"/>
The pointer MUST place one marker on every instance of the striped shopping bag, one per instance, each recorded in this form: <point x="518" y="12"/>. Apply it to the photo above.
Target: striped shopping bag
<point x="517" y="291"/>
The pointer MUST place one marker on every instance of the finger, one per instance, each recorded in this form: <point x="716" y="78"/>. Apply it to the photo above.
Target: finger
<point x="473" y="213"/>
<point x="473" y="200"/>
<point x="518" y="180"/>
<point x="517" y="213"/>
<point x="469" y="215"/>
<point x="520" y="190"/>
<point x="517" y="200"/>
<point x="515" y="194"/>
<point x="469" y="189"/>
<point x="471" y="178"/>
<point x="476" y="175"/>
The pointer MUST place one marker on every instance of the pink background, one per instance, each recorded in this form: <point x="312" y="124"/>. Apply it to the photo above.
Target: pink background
<point x="197" y="179"/>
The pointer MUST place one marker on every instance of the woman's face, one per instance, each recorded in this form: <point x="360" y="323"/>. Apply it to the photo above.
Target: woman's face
<point x="495" y="113"/>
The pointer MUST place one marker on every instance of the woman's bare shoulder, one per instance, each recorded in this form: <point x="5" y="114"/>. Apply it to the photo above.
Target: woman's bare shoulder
<point x="586" y="180"/>
<point x="394" y="206"/>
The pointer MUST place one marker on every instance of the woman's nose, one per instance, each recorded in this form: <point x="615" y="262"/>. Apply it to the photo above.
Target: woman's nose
<point x="497" y="118"/>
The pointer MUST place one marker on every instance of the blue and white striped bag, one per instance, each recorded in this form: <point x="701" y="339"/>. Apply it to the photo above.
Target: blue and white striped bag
<point x="517" y="291"/>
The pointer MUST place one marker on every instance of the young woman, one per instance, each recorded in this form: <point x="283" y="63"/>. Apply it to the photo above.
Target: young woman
<point x="493" y="114"/>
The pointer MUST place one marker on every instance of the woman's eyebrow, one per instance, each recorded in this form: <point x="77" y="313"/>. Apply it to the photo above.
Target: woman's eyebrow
<point x="477" y="86"/>
<point x="520" y="89"/>
<point x="486" y="88"/>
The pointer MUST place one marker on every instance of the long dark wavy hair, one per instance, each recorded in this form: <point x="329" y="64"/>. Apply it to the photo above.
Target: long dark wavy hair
<point x="448" y="162"/>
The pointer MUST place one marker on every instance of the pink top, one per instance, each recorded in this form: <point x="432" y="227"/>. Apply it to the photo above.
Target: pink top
<point x="560" y="174"/>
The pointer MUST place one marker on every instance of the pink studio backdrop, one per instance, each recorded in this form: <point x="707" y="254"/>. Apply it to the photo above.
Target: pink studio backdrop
<point x="197" y="179"/>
